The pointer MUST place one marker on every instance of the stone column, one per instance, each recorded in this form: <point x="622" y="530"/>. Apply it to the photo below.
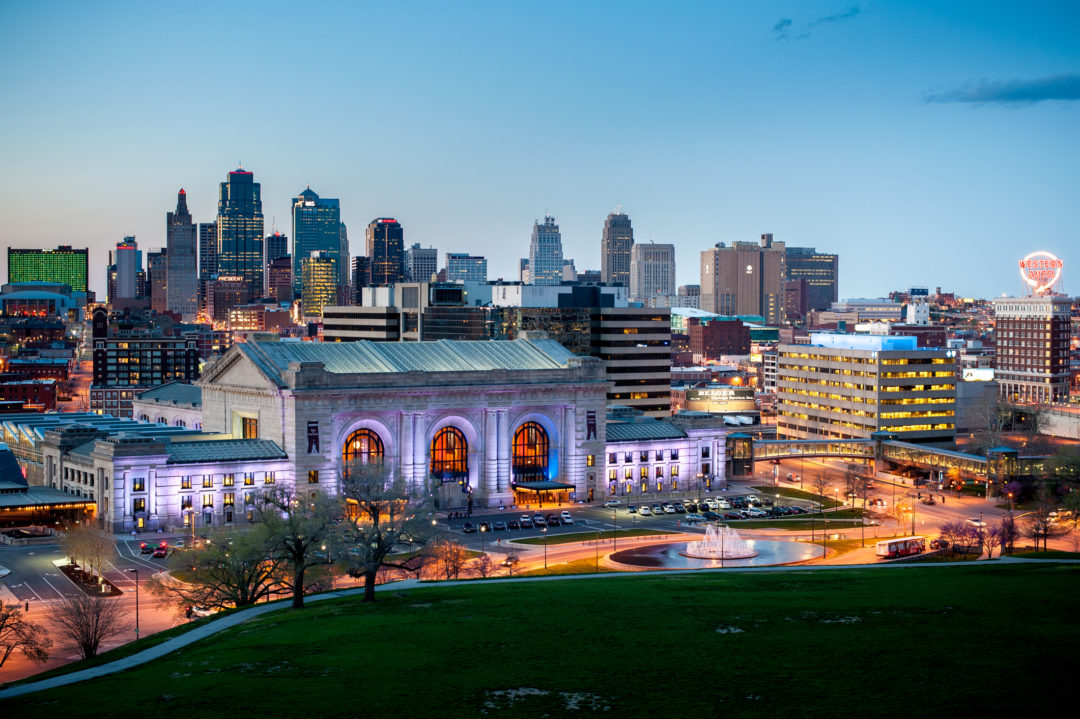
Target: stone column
<point x="491" y="452"/>
<point x="503" y="438"/>
<point x="404" y="443"/>
<point x="419" y="448"/>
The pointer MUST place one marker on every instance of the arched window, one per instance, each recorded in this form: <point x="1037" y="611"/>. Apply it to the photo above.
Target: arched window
<point x="530" y="451"/>
<point x="449" y="454"/>
<point x="179" y="422"/>
<point x="362" y="447"/>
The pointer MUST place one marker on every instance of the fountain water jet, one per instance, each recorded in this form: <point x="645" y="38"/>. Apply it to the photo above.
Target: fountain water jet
<point x="720" y="543"/>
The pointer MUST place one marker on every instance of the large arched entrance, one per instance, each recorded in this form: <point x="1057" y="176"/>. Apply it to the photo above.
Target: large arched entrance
<point x="530" y="464"/>
<point x="449" y="467"/>
<point x="364" y="446"/>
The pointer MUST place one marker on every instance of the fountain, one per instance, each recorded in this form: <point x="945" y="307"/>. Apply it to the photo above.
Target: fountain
<point x="721" y="542"/>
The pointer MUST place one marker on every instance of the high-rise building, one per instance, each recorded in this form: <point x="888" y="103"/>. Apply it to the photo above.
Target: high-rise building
<point x="64" y="264"/>
<point x="639" y="369"/>
<point x="319" y="286"/>
<point x="361" y="277"/>
<point x="279" y="279"/>
<point x="1032" y="336"/>
<point x="277" y="245"/>
<point x="223" y="293"/>
<point x="181" y="281"/>
<point x="463" y="267"/>
<point x="688" y="296"/>
<point x="821" y="272"/>
<point x="421" y="263"/>
<point x="850" y="386"/>
<point x="240" y="230"/>
<point x="745" y="279"/>
<point x="386" y="251"/>
<point x="652" y="272"/>
<point x="615" y="247"/>
<point x="343" y="265"/>
<point x="316" y="228"/>
<point x="157" y="279"/>
<point x="545" y="253"/>
<point x="128" y="261"/>
<point x="207" y="257"/>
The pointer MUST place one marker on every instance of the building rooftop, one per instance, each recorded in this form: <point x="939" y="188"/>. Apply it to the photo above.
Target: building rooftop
<point x="878" y="343"/>
<point x="173" y="393"/>
<point x="223" y="450"/>
<point x="642" y="429"/>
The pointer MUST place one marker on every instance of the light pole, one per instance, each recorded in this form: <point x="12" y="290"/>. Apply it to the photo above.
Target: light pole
<point x="615" y="527"/>
<point x="543" y="531"/>
<point x="136" y="573"/>
<point x="597" y="558"/>
<point x="482" y="531"/>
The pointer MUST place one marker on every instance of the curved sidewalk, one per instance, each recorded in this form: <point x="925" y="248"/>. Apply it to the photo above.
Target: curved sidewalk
<point x="218" y="625"/>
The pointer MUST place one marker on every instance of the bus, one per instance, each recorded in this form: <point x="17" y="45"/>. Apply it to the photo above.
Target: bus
<point x="900" y="547"/>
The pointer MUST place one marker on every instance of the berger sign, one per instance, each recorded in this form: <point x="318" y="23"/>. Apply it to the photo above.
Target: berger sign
<point x="1040" y="270"/>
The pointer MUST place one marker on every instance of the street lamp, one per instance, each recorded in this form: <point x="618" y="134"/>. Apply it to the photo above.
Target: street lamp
<point x="597" y="557"/>
<point x="615" y="526"/>
<point x="543" y="531"/>
<point x="483" y="529"/>
<point x="136" y="573"/>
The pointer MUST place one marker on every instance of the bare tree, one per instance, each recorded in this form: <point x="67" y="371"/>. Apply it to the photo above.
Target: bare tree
<point x="991" y="539"/>
<point x="450" y="557"/>
<point x="1009" y="533"/>
<point x="85" y="621"/>
<point x="1038" y="527"/>
<point x="382" y="512"/>
<point x="17" y="633"/>
<point x="989" y="420"/>
<point x="225" y="574"/>
<point x="820" y="484"/>
<point x="297" y="528"/>
<point x="88" y="547"/>
<point x="484" y="566"/>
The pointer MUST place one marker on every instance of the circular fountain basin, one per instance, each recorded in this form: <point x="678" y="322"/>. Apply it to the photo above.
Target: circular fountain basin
<point x="672" y="555"/>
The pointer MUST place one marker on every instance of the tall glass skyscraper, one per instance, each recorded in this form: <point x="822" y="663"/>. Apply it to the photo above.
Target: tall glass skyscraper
<point x="181" y="281"/>
<point x="615" y="246"/>
<point x="63" y="264"/>
<point x="545" y="253"/>
<point x="240" y="231"/>
<point x="386" y="250"/>
<point x="316" y="228"/>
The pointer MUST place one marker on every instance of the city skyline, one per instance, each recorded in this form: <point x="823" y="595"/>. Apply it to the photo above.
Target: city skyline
<point x="948" y="131"/>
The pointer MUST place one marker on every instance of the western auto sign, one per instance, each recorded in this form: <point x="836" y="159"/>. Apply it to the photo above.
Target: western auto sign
<point x="1040" y="270"/>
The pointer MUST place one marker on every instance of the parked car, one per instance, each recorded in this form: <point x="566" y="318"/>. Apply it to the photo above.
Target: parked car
<point x="538" y="520"/>
<point x="499" y="525"/>
<point x="145" y="548"/>
<point x="485" y="527"/>
<point x="566" y="518"/>
<point x="691" y="507"/>
<point x="734" y="515"/>
<point x="723" y="504"/>
<point x="710" y="515"/>
<point x="612" y="503"/>
<point x="631" y="509"/>
<point x="468" y="528"/>
<point x="513" y="524"/>
<point x="754" y="513"/>
<point x="553" y="520"/>
<point x="680" y="508"/>
<point x="645" y="511"/>
<point x="526" y="522"/>
<point x="693" y="518"/>
<point x="668" y="508"/>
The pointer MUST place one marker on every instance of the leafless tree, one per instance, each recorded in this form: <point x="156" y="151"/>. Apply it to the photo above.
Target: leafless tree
<point x="85" y="622"/>
<point x="989" y="420"/>
<point x="1038" y="527"/>
<point x="17" y="633"/>
<point x="298" y="527"/>
<point x="450" y="556"/>
<point x="383" y="511"/>
<point x="1009" y="533"/>
<point x="484" y="566"/>
<point x="819" y="482"/>
<point x="224" y="573"/>
<point x="991" y="540"/>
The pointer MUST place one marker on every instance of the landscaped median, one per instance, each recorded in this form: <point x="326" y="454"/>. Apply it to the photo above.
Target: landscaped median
<point x="804" y="642"/>
<point x="791" y="493"/>
<point x="591" y="536"/>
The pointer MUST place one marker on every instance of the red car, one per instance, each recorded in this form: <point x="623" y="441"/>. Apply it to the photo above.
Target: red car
<point x="161" y="551"/>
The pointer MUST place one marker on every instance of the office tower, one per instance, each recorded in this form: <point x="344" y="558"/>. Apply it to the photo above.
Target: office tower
<point x="343" y="265"/>
<point x="796" y="299"/>
<point x="421" y="263"/>
<point x="316" y="228"/>
<point x="181" y="281"/>
<point x="850" y="386"/>
<point x="319" y="286"/>
<point x="225" y="293"/>
<point x="127" y="259"/>
<point x="744" y="279"/>
<point x="157" y="279"/>
<point x="523" y="270"/>
<point x="240" y="230"/>
<point x="688" y="296"/>
<point x="569" y="272"/>
<point x="386" y="251"/>
<point x="615" y="247"/>
<point x="1032" y="336"/>
<point x="545" y="253"/>
<point x="277" y="245"/>
<point x="640" y="369"/>
<point x="64" y="264"/>
<point x="652" y="272"/>
<point x="361" y="277"/>
<point x="279" y="279"/>
<point x="821" y="272"/>
<point x="463" y="267"/>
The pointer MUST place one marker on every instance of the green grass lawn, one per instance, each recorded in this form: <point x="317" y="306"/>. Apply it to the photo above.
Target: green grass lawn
<point x="1049" y="554"/>
<point x="797" y="494"/>
<point x="590" y="536"/>
<point x="798" y="643"/>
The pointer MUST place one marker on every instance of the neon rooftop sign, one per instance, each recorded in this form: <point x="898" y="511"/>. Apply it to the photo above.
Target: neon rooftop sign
<point x="1040" y="270"/>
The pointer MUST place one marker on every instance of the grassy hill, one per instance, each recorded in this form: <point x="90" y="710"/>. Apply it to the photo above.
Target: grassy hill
<point x="986" y="640"/>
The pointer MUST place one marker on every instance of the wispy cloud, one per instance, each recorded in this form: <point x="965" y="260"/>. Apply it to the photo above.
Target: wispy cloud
<point x="848" y="14"/>
<point x="783" y="28"/>
<point x="1061" y="88"/>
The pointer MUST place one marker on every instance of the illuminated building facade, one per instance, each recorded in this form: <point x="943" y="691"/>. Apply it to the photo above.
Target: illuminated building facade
<point x="545" y="253"/>
<point x="463" y="267"/>
<point x="820" y="270"/>
<point x="616" y="245"/>
<point x="64" y="265"/>
<point x="240" y="230"/>
<point x="850" y="386"/>
<point x="319" y="282"/>
<point x="316" y="228"/>
<point x="1032" y="337"/>
<point x="182" y="270"/>
<point x="744" y="279"/>
<point x="385" y="251"/>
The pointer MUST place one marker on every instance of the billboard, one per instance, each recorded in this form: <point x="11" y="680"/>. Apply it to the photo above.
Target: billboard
<point x="978" y="374"/>
<point x="1040" y="270"/>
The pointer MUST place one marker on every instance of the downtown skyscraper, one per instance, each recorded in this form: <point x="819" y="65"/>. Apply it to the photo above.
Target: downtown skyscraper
<point x="181" y="281"/>
<point x="545" y="253"/>
<point x="386" y="251"/>
<point x="316" y="224"/>
<point x="616" y="243"/>
<point x="240" y="231"/>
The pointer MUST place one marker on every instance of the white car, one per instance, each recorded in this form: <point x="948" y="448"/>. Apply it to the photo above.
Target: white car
<point x="645" y="511"/>
<point x="975" y="522"/>
<point x="723" y="504"/>
<point x="612" y="503"/>
<point x="754" y="512"/>
<point x="711" y="504"/>
<point x="566" y="518"/>
<point x="668" y="508"/>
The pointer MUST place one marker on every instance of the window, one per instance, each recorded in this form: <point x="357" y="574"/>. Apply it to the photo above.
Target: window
<point x="612" y="457"/>
<point x="659" y="472"/>
<point x="645" y="456"/>
<point x="249" y="479"/>
<point x="138" y="484"/>
<point x="704" y="452"/>
<point x="185" y="502"/>
<point x="659" y="455"/>
<point x="644" y="473"/>
<point x="363" y="446"/>
<point x="628" y="457"/>
<point x="673" y="470"/>
<point x="208" y="501"/>
<point x="530" y="448"/>
<point x="628" y="474"/>
<point x="449" y="454"/>
<point x="249" y="427"/>
<point x="229" y="480"/>
<point x="313" y="476"/>
<point x="706" y="468"/>
<point x="270" y="478"/>
<point x="138" y="505"/>
<point x="613" y="475"/>
<point x="207" y="481"/>
<point x="590" y="460"/>
<point x="185" y="483"/>
<point x="230" y="499"/>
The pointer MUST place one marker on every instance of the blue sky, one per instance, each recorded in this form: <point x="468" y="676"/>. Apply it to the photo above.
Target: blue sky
<point x="927" y="143"/>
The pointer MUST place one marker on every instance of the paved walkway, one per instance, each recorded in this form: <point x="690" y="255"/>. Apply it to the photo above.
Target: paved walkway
<point x="223" y="623"/>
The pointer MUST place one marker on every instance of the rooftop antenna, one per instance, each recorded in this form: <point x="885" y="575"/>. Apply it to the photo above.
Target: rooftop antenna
<point x="273" y="224"/>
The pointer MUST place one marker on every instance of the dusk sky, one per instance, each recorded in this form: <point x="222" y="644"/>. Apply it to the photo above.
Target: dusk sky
<point x="927" y="143"/>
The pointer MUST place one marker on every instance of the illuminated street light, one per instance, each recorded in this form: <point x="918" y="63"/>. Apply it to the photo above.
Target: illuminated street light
<point x="543" y="531"/>
<point x="136" y="573"/>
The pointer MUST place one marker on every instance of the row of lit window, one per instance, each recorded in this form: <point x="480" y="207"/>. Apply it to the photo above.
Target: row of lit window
<point x="643" y="473"/>
<point x="657" y="455"/>
<point x="827" y="408"/>
<point x="918" y="427"/>
<point x="906" y="375"/>
<point x="918" y="387"/>
<point x="907" y="415"/>
<point x="918" y="400"/>
<point x="228" y="480"/>
<point x="829" y="370"/>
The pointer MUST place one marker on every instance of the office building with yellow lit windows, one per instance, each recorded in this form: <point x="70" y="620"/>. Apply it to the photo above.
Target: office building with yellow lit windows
<point x="850" y="386"/>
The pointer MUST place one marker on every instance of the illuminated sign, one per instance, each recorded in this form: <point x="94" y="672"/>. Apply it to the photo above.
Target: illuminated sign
<point x="1040" y="270"/>
<point x="978" y="374"/>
